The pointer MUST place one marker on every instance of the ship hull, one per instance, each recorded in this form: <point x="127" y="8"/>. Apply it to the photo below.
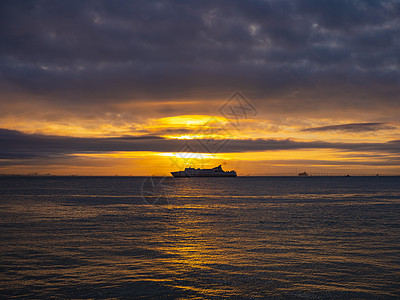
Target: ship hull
<point x="182" y="174"/>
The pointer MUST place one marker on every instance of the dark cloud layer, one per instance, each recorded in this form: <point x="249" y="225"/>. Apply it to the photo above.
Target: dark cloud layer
<point x="17" y="145"/>
<point x="95" y="52"/>
<point x="354" y="127"/>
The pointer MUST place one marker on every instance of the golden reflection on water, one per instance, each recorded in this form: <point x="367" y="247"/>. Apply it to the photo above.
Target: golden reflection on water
<point x="245" y="246"/>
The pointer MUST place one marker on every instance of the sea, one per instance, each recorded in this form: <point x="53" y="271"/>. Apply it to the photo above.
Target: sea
<point x="200" y="238"/>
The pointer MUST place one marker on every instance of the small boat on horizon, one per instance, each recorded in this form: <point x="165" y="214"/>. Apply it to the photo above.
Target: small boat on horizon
<point x="214" y="172"/>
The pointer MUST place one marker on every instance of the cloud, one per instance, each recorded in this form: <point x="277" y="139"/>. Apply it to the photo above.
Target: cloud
<point x="388" y="162"/>
<point x="353" y="127"/>
<point x="87" y="53"/>
<point x="19" y="145"/>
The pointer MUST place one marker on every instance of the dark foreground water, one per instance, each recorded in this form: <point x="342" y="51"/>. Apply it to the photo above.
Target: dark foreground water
<point x="241" y="238"/>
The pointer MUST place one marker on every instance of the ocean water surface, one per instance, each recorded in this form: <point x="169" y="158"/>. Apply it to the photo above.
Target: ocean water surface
<point x="200" y="238"/>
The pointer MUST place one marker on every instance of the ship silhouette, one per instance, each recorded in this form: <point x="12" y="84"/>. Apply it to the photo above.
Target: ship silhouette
<point x="304" y="174"/>
<point x="214" y="172"/>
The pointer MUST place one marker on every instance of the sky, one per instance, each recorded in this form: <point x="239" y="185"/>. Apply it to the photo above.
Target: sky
<point x="147" y="87"/>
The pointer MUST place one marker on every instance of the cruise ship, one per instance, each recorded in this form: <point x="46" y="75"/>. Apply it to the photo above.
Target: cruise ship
<point x="214" y="172"/>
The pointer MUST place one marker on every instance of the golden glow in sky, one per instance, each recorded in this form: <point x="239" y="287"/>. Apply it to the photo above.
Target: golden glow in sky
<point x="190" y="129"/>
<point x="264" y="88"/>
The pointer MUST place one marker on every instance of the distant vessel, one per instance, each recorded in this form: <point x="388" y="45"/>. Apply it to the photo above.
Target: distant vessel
<point x="303" y="174"/>
<point x="214" y="172"/>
